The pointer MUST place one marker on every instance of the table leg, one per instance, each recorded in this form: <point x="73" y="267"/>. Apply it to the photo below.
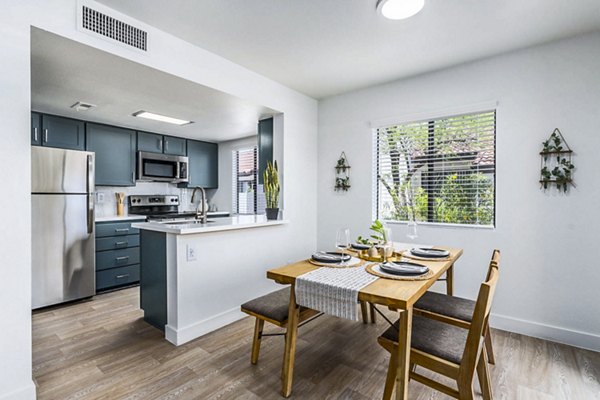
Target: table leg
<point x="289" y="354"/>
<point x="403" y="367"/>
<point x="450" y="281"/>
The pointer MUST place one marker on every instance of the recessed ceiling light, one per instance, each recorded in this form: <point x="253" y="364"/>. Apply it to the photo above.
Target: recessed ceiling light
<point x="161" y="118"/>
<point x="81" y="106"/>
<point x="399" y="9"/>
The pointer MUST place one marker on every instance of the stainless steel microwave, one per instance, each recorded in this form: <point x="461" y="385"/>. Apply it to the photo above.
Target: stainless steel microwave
<point x="162" y="168"/>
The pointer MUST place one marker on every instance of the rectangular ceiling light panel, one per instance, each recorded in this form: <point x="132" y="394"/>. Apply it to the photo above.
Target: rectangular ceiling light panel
<point x="161" y="118"/>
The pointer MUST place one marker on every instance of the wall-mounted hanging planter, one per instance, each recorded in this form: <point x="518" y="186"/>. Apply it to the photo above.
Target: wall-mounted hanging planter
<point x="342" y="173"/>
<point x="556" y="162"/>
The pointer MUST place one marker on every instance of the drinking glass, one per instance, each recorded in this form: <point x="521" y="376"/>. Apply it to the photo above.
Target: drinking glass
<point x="388" y="245"/>
<point x="411" y="230"/>
<point x="342" y="242"/>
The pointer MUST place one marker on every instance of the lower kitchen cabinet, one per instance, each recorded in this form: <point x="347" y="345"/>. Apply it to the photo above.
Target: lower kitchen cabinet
<point x="117" y="255"/>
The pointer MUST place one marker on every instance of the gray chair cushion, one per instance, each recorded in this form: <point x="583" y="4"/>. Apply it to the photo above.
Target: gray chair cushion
<point x="450" y="306"/>
<point x="273" y="305"/>
<point x="433" y="337"/>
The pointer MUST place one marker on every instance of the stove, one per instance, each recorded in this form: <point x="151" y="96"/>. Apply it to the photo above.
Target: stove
<point x="158" y="207"/>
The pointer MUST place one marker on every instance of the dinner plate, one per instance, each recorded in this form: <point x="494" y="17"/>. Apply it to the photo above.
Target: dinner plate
<point x="330" y="257"/>
<point x="429" y="253"/>
<point x="403" y="268"/>
<point x="360" y="246"/>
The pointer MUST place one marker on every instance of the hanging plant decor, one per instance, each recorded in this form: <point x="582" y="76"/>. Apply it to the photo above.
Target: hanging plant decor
<point x="342" y="173"/>
<point x="556" y="162"/>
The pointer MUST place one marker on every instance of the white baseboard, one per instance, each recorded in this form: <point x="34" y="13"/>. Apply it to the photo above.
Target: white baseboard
<point x="580" y="339"/>
<point x="25" y="393"/>
<point x="191" y="332"/>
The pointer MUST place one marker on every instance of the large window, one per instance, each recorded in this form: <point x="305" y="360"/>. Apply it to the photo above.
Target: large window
<point x="248" y="196"/>
<point x="437" y="171"/>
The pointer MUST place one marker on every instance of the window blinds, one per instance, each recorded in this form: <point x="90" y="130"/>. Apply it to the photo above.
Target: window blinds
<point x="247" y="195"/>
<point x="438" y="170"/>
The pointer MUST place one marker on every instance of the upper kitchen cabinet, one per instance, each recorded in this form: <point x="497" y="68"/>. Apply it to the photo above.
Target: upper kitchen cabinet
<point x="175" y="146"/>
<point x="115" y="154"/>
<point x="61" y="132"/>
<point x="36" y="129"/>
<point x="203" y="164"/>
<point x="265" y="146"/>
<point x="155" y="143"/>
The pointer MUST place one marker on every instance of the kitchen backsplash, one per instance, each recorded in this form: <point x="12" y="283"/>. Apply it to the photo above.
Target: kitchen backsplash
<point x="107" y="206"/>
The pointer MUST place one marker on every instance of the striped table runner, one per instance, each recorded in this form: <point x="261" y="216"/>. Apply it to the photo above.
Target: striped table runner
<point x="333" y="291"/>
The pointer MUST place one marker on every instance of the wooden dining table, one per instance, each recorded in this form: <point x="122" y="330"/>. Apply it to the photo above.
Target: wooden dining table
<point x="396" y="295"/>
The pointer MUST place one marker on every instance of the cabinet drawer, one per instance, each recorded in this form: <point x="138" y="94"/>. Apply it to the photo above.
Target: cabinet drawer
<point x="117" y="277"/>
<point x="117" y="242"/>
<point x="115" y="229"/>
<point x="117" y="258"/>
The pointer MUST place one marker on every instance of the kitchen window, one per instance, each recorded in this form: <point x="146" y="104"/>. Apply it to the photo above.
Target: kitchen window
<point x="439" y="171"/>
<point x="248" y="196"/>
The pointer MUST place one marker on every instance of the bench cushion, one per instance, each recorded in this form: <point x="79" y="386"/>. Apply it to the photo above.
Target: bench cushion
<point x="433" y="337"/>
<point x="450" y="306"/>
<point x="273" y="305"/>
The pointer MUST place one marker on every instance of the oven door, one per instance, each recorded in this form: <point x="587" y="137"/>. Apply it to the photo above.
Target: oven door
<point x="161" y="168"/>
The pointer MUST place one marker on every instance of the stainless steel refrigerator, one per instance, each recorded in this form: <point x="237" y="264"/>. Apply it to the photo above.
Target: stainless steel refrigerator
<point x="62" y="220"/>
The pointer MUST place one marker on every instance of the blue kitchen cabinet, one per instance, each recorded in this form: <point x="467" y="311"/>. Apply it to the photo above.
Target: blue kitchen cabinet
<point x="155" y="143"/>
<point x="36" y="129"/>
<point x="115" y="154"/>
<point x="265" y="146"/>
<point x="174" y="146"/>
<point x="203" y="164"/>
<point x="61" y="132"/>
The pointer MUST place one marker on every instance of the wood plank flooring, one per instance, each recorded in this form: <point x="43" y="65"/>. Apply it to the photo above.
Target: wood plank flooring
<point x="102" y="349"/>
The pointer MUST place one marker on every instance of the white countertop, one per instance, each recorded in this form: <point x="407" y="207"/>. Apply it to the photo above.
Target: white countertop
<point x="218" y="224"/>
<point x="117" y="218"/>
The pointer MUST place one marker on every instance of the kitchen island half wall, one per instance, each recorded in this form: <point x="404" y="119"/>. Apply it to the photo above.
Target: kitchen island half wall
<point x="195" y="276"/>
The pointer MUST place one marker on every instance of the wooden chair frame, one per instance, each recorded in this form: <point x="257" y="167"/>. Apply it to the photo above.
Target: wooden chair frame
<point x="474" y="357"/>
<point x="487" y="334"/>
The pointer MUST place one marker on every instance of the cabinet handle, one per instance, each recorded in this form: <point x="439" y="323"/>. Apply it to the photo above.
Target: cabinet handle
<point x="122" y="230"/>
<point x="166" y="145"/>
<point x="35" y="134"/>
<point x="121" y="243"/>
<point x="160" y="144"/>
<point x="122" y="258"/>
<point x="45" y="135"/>
<point x="122" y="276"/>
<point x="133" y="176"/>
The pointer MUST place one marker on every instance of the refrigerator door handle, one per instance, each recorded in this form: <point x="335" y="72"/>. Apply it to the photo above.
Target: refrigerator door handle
<point x="90" y="193"/>
<point x="90" y="213"/>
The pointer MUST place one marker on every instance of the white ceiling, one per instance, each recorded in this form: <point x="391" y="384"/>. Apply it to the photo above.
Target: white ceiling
<point x="64" y="72"/>
<point x="326" y="47"/>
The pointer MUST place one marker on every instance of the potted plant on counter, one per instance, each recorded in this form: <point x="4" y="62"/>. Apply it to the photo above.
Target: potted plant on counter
<point x="271" y="189"/>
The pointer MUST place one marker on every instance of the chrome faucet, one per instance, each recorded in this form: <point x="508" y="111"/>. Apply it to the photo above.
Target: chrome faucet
<point x="201" y="209"/>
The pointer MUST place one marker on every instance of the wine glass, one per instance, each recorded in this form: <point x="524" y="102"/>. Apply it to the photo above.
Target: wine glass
<point x="342" y="242"/>
<point x="411" y="230"/>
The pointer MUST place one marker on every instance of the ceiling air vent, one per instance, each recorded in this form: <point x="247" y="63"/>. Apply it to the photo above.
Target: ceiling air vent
<point x="110" y="27"/>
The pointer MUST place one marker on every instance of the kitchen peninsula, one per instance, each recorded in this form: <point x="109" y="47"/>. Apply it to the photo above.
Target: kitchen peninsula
<point x="194" y="276"/>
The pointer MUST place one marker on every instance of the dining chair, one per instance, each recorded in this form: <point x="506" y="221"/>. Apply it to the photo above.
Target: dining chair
<point x="446" y="349"/>
<point x="455" y="310"/>
<point x="273" y="308"/>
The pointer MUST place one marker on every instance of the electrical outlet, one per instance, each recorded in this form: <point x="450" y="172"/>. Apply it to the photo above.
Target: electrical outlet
<point x="99" y="197"/>
<point x="190" y="253"/>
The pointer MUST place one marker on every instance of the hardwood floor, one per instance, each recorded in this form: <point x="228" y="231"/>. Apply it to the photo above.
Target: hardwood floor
<point x="102" y="349"/>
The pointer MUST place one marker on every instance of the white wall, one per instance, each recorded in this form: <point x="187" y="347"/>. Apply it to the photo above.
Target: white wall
<point x="549" y="279"/>
<point x="167" y="54"/>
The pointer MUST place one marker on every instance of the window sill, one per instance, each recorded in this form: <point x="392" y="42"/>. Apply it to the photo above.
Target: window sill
<point x="443" y="225"/>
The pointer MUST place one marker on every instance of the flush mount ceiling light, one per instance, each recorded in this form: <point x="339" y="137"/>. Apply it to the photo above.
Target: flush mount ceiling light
<point x="161" y="118"/>
<point x="81" y="106"/>
<point x="399" y="9"/>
